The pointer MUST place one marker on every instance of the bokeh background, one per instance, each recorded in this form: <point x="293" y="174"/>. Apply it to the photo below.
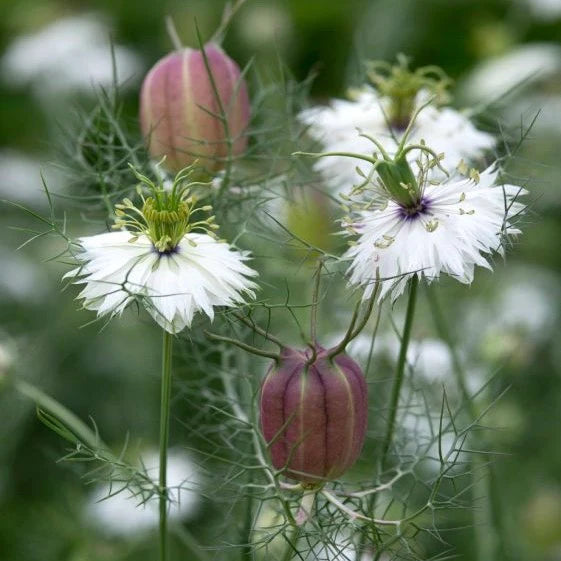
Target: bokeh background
<point x="508" y="324"/>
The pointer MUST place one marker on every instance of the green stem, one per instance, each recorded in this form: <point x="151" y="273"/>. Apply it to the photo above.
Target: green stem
<point x="164" y="439"/>
<point x="396" y="390"/>
<point x="398" y="380"/>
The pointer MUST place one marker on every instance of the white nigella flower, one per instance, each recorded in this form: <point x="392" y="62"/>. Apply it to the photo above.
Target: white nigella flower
<point x="157" y="258"/>
<point x="408" y="225"/>
<point x="385" y="113"/>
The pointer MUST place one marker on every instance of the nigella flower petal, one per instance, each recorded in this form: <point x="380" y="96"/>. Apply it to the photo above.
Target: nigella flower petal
<point x="463" y="222"/>
<point x="445" y="130"/>
<point x="197" y="275"/>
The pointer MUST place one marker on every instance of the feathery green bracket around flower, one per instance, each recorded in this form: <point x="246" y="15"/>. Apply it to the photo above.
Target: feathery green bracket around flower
<point x="402" y="85"/>
<point x="166" y="215"/>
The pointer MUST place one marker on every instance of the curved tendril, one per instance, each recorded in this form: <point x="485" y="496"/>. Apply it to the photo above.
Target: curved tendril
<point x="376" y="143"/>
<point x="264" y="333"/>
<point x="249" y="348"/>
<point x="412" y="122"/>
<point x="353" y="332"/>
<point x="344" y="154"/>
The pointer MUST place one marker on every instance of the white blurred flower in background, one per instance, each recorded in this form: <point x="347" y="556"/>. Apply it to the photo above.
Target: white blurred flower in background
<point x="543" y="112"/>
<point x="545" y="10"/>
<point x="516" y="320"/>
<point x="429" y="358"/>
<point x="270" y="544"/>
<point x="20" y="178"/>
<point x="21" y="279"/>
<point x="121" y="514"/>
<point x="520" y="67"/>
<point x="69" y="55"/>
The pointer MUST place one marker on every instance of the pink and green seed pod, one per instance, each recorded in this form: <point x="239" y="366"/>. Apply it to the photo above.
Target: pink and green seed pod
<point x="179" y="108"/>
<point x="314" y="415"/>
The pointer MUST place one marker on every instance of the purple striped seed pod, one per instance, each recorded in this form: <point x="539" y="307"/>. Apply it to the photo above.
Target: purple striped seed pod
<point x="314" y="414"/>
<point x="179" y="108"/>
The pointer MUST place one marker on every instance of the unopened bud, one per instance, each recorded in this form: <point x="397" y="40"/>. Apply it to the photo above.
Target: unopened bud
<point x="184" y="110"/>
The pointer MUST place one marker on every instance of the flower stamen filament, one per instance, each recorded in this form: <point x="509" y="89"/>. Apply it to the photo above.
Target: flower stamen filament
<point x="165" y="215"/>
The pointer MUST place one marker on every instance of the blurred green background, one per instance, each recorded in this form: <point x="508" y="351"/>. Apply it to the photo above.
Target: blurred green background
<point x="507" y="322"/>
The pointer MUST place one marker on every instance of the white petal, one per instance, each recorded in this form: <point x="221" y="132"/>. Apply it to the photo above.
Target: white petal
<point x="173" y="287"/>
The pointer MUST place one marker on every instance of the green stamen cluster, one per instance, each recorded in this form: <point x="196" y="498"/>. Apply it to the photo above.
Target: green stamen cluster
<point x="166" y="215"/>
<point x="401" y="86"/>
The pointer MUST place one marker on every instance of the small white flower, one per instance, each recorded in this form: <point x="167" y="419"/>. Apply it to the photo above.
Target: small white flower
<point x="124" y="514"/>
<point x="197" y="275"/>
<point x="68" y="55"/>
<point x="515" y="322"/>
<point x="444" y="129"/>
<point x="453" y="226"/>
<point x="157" y="258"/>
<point x="518" y="68"/>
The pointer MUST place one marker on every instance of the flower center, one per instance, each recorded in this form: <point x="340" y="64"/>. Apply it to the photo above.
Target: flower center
<point x="415" y="209"/>
<point x="166" y="226"/>
<point x="401" y="85"/>
<point x="165" y="216"/>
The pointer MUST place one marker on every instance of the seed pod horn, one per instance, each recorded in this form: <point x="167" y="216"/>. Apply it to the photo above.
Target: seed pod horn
<point x="314" y="414"/>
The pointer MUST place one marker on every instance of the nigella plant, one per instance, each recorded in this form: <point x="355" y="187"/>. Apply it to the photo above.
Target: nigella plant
<point x="410" y="225"/>
<point x="308" y="441"/>
<point x="416" y="211"/>
<point x="165" y="255"/>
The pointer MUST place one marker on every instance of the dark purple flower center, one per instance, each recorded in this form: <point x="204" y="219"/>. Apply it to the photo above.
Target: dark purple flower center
<point x="415" y="209"/>
<point x="170" y="251"/>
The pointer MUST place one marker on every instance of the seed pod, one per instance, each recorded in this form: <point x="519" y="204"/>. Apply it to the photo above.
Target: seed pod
<point x="180" y="111"/>
<point x="314" y="415"/>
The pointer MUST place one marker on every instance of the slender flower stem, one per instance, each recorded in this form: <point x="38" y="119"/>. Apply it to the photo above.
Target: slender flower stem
<point x="398" y="380"/>
<point x="164" y="439"/>
<point x="396" y="390"/>
<point x="315" y="302"/>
